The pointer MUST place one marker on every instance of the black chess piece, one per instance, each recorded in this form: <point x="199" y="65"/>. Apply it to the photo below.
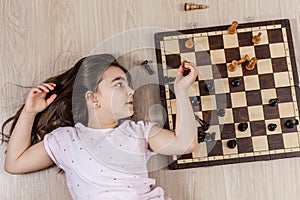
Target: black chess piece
<point x="291" y="123"/>
<point x="204" y="125"/>
<point x="272" y="127"/>
<point x="231" y="144"/>
<point x="209" y="86"/>
<point x="235" y="82"/>
<point x="273" y="102"/>
<point x="195" y="101"/>
<point x="147" y="67"/>
<point x="168" y="79"/>
<point x="243" y="126"/>
<point x="221" y="112"/>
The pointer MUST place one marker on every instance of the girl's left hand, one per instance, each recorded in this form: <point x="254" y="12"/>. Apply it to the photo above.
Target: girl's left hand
<point x="184" y="82"/>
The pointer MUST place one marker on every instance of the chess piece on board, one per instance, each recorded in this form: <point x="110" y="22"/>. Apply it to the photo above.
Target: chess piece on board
<point x="231" y="144"/>
<point x="243" y="126"/>
<point x="191" y="6"/>
<point x="221" y="112"/>
<point x="273" y="102"/>
<point x="244" y="59"/>
<point x="189" y="43"/>
<point x="232" y="28"/>
<point x="291" y="123"/>
<point x="233" y="65"/>
<point x="256" y="38"/>
<point x="235" y="82"/>
<point x="186" y="71"/>
<point x="251" y="64"/>
<point x="272" y="127"/>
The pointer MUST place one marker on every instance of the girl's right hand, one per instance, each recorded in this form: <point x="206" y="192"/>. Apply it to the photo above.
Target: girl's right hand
<point x="36" y="100"/>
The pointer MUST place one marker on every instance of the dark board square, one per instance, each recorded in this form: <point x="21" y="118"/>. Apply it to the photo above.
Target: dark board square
<point x="245" y="39"/>
<point x="215" y="42"/>
<point x="240" y="114"/>
<point x="270" y="112"/>
<point x="253" y="98"/>
<point x="173" y="60"/>
<point x="182" y="47"/>
<point x="266" y="81"/>
<point x="262" y="51"/>
<point x="275" y="35"/>
<point x="284" y="94"/>
<point x="232" y="54"/>
<point x="223" y="100"/>
<point x="279" y="64"/>
<point x="210" y="117"/>
<point x="228" y="131"/>
<point x="249" y="72"/>
<point x="244" y="145"/>
<point x="203" y="88"/>
<point x="240" y="87"/>
<point x="202" y="58"/>
<point x="214" y="148"/>
<point x="275" y="141"/>
<point x="258" y="128"/>
<point x="219" y="71"/>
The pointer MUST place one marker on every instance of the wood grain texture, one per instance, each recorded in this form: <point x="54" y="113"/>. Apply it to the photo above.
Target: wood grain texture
<point x="42" y="38"/>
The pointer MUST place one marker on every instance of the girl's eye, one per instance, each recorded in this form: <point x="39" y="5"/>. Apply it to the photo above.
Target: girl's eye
<point x="120" y="84"/>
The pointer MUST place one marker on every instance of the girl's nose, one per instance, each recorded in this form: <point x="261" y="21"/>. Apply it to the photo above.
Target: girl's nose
<point x="130" y="91"/>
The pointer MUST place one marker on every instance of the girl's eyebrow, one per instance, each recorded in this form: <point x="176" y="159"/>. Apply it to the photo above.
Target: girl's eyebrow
<point x="118" y="78"/>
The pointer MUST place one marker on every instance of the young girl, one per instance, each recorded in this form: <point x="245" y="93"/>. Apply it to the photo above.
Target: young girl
<point x="71" y="120"/>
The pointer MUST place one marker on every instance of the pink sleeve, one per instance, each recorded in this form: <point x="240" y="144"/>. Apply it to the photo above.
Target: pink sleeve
<point x="55" y="144"/>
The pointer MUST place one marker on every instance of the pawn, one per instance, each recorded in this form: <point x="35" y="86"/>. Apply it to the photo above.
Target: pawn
<point x="231" y="144"/>
<point x="273" y="102"/>
<point x="256" y="39"/>
<point x="291" y="123"/>
<point x="235" y="82"/>
<point x="272" y="127"/>
<point x="243" y="126"/>
<point x="209" y="87"/>
<point x="189" y="43"/>
<point x="232" y="28"/>
<point x="233" y="65"/>
<point x="221" y="112"/>
<point x="251" y="63"/>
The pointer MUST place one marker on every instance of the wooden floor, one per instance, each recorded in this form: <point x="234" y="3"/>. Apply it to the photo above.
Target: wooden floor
<point x="42" y="38"/>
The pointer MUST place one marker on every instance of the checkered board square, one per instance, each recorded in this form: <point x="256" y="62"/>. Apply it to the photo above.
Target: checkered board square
<point x="274" y="77"/>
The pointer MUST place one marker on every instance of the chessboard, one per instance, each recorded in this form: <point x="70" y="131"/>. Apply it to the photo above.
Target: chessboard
<point x="243" y="115"/>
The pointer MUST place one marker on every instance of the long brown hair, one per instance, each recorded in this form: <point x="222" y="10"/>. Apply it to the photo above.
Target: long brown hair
<point x="69" y="107"/>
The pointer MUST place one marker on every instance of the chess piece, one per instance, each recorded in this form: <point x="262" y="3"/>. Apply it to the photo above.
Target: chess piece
<point x="209" y="87"/>
<point x="273" y="102"/>
<point x="243" y="126"/>
<point x="291" y="123"/>
<point x="189" y="43"/>
<point x="235" y="82"/>
<point x="256" y="39"/>
<point x="186" y="71"/>
<point x="147" y="67"/>
<point x="244" y="59"/>
<point x="169" y="79"/>
<point x="191" y="6"/>
<point x="204" y="125"/>
<point x="221" y="112"/>
<point x="232" y="66"/>
<point x="195" y="101"/>
<point x="232" y="28"/>
<point x="272" y="127"/>
<point x="231" y="144"/>
<point x="251" y="63"/>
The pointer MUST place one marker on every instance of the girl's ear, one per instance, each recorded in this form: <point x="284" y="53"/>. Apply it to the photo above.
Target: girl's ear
<point x="92" y="99"/>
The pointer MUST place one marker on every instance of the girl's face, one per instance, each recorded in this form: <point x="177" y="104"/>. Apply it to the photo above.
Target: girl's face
<point x="115" y="94"/>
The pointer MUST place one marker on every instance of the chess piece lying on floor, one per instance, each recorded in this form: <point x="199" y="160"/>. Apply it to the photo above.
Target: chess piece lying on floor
<point x="232" y="28"/>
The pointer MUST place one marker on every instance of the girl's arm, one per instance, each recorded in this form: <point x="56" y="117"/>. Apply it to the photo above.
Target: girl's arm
<point x="184" y="139"/>
<point x="22" y="157"/>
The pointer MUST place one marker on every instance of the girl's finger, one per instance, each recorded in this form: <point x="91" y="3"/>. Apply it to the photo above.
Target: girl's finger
<point x="49" y="85"/>
<point x="43" y="88"/>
